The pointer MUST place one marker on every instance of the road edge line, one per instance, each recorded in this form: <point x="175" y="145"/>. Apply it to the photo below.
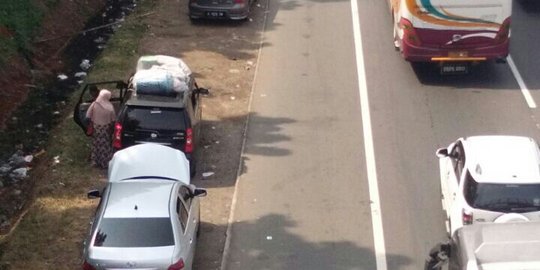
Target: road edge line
<point x="375" y="205"/>
<point x="524" y="90"/>
<point x="227" y="245"/>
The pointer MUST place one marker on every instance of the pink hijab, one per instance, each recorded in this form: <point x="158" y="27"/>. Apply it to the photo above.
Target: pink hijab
<point x="101" y="111"/>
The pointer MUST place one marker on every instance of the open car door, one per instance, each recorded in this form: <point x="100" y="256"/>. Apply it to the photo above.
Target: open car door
<point x="89" y="94"/>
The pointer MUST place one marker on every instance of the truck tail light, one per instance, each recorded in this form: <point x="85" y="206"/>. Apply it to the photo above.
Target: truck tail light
<point x="467" y="216"/>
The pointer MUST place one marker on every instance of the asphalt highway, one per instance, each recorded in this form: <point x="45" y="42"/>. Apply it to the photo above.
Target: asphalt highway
<point x="303" y="198"/>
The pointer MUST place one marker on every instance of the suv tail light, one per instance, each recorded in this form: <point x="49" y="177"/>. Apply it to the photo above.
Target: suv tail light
<point x="239" y="1"/>
<point x="87" y="266"/>
<point x="189" y="141"/>
<point x="504" y="32"/>
<point x="177" y="266"/>
<point x="409" y="34"/>
<point x="117" y="136"/>
<point x="467" y="217"/>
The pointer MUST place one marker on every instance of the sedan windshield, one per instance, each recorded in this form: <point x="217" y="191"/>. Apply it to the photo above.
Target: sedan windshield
<point x="134" y="232"/>
<point x="515" y="198"/>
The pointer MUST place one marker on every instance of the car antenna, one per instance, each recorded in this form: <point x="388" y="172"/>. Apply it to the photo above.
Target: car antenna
<point x="136" y="208"/>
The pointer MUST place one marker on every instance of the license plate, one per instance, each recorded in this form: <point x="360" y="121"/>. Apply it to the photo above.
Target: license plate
<point x="215" y="14"/>
<point x="454" y="68"/>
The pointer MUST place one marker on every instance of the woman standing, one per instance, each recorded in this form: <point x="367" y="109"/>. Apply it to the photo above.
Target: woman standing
<point x="101" y="114"/>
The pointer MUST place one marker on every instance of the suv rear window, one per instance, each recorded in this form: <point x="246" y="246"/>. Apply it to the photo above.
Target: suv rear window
<point x="147" y="118"/>
<point x="516" y="198"/>
<point x="134" y="232"/>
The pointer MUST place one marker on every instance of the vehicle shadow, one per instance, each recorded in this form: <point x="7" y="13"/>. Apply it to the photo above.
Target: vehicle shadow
<point x="488" y="75"/>
<point x="530" y="6"/>
<point x="268" y="243"/>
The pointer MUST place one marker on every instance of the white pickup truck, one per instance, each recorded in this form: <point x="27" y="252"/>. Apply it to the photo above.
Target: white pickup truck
<point x="489" y="246"/>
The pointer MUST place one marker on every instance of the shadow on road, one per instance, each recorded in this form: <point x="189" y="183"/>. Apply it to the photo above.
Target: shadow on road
<point x="267" y="243"/>
<point x="223" y="138"/>
<point x="530" y="6"/>
<point x="487" y="75"/>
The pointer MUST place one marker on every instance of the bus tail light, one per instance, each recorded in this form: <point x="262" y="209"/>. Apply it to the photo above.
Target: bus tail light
<point x="504" y="32"/>
<point x="409" y="33"/>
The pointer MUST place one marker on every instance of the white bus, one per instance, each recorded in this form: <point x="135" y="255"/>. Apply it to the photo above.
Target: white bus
<point x="452" y="30"/>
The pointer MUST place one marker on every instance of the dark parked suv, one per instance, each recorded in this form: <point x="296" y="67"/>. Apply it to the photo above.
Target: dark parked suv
<point x="167" y="120"/>
<point x="170" y="121"/>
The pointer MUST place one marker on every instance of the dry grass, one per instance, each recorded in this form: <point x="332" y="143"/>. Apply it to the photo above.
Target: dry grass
<point x="51" y="233"/>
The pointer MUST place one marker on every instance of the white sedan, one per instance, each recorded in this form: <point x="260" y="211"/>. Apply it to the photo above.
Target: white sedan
<point x="148" y="216"/>
<point x="490" y="179"/>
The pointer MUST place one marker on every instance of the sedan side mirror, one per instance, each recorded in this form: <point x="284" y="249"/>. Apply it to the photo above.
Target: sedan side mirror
<point x="442" y="152"/>
<point x="93" y="194"/>
<point x="199" y="192"/>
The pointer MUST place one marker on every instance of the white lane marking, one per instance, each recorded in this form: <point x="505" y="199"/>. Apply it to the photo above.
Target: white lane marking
<point x="524" y="90"/>
<point x="376" y="217"/>
<point x="227" y="245"/>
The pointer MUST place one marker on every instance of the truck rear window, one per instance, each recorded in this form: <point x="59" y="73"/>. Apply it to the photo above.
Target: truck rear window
<point x="146" y="118"/>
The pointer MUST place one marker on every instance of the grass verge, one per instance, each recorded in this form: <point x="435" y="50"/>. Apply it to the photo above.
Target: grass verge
<point x="21" y="18"/>
<point x="51" y="233"/>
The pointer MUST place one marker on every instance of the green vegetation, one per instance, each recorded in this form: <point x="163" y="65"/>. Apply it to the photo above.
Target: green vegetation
<point x="51" y="3"/>
<point x="37" y="114"/>
<point x="21" y="18"/>
<point x="122" y="49"/>
<point x="8" y="47"/>
<point x="52" y="231"/>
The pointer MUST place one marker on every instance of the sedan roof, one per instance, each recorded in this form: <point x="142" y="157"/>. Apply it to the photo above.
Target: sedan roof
<point x="136" y="199"/>
<point x="149" y="160"/>
<point x="503" y="159"/>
